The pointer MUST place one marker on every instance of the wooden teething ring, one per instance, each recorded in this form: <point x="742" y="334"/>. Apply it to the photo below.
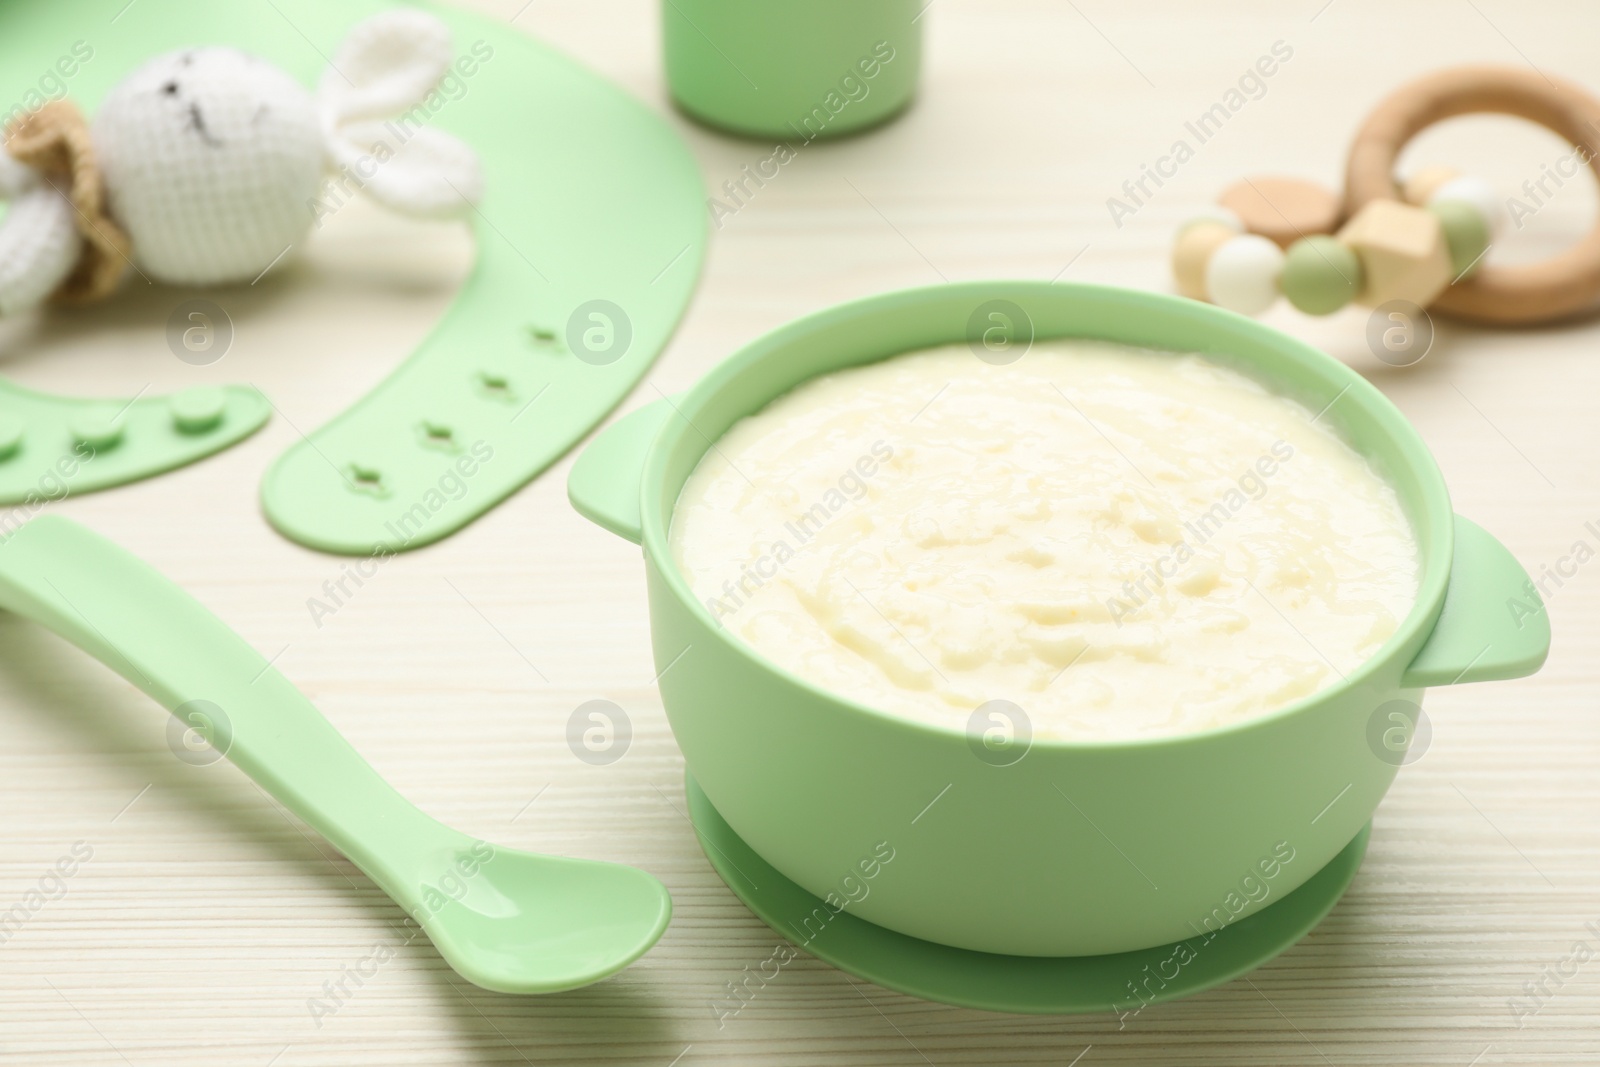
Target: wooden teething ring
<point x="1564" y="285"/>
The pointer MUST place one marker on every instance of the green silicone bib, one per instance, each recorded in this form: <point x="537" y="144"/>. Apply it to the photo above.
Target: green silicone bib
<point x="590" y="236"/>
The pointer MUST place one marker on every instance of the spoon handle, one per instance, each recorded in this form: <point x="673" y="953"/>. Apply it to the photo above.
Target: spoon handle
<point x="123" y="612"/>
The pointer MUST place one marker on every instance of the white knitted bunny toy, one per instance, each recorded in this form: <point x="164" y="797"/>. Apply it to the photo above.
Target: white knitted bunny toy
<point x="212" y="162"/>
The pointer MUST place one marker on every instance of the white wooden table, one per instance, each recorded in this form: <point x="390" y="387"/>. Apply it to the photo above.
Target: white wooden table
<point x="207" y="919"/>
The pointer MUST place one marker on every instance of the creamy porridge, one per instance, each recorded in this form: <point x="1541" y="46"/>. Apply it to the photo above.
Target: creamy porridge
<point x="1123" y="543"/>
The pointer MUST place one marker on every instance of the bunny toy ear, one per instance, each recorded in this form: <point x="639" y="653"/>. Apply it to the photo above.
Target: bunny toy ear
<point x="386" y="69"/>
<point x="386" y="64"/>
<point x="429" y="175"/>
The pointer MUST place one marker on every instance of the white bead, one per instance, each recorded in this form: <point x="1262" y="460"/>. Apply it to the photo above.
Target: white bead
<point x="1243" y="274"/>
<point x="1213" y="213"/>
<point x="1477" y="192"/>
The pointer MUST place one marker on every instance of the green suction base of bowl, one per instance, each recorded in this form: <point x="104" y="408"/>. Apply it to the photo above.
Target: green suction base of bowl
<point x="1026" y="984"/>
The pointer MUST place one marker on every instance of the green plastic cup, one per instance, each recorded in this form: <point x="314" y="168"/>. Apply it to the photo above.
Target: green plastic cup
<point x="798" y="70"/>
<point x="1071" y="848"/>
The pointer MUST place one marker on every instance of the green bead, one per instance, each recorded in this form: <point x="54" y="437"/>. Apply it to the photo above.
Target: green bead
<point x="1465" y="231"/>
<point x="1320" y="275"/>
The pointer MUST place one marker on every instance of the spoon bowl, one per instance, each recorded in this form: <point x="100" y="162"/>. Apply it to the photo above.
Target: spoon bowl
<point x="525" y="923"/>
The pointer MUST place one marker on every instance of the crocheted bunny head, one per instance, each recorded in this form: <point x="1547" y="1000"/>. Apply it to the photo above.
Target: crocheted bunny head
<point x="210" y="157"/>
<point x="208" y="163"/>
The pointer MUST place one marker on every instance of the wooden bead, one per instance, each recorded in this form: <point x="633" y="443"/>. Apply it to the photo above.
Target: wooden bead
<point x="1402" y="251"/>
<point x="1192" y="251"/>
<point x="1212" y="213"/>
<point x="1283" y="210"/>
<point x="1425" y="182"/>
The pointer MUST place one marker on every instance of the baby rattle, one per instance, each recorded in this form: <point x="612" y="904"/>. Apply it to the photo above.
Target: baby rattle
<point x="1423" y="242"/>
<point x="204" y="166"/>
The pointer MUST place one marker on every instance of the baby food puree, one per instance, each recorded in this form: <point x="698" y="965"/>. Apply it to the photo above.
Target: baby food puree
<point x="1123" y="543"/>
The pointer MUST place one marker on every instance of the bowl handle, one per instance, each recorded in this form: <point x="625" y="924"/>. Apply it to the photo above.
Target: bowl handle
<point x="1493" y="624"/>
<point x="605" y="481"/>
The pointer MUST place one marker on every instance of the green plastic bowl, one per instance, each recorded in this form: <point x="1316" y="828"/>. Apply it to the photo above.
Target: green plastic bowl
<point x="794" y="70"/>
<point x="1076" y="848"/>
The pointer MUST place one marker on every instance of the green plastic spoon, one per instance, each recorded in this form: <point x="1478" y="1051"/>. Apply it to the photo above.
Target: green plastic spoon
<point x="510" y="921"/>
